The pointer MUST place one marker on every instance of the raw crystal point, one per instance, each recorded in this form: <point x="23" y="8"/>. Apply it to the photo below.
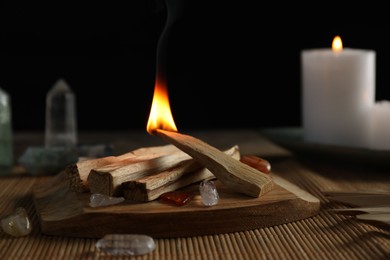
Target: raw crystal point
<point x="61" y="126"/>
<point x="6" y="148"/>
<point x="101" y="200"/>
<point x="209" y="193"/>
<point x="126" y="244"/>
<point x="17" y="224"/>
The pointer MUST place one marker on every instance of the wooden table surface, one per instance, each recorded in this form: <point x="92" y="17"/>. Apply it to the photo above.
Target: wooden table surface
<point x="324" y="236"/>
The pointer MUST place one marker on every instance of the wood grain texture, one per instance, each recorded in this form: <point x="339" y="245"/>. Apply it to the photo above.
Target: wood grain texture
<point x="64" y="212"/>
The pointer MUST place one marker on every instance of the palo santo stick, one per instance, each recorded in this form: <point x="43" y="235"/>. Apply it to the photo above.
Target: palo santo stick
<point x="359" y="199"/>
<point x="77" y="173"/>
<point x="361" y="210"/>
<point x="108" y="179"/>
<point x="232" y="173"/>
<point x="151" y="187"/>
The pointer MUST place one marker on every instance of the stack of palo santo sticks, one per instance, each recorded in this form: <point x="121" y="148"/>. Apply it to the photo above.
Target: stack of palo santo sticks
<point x="146" y="173"/>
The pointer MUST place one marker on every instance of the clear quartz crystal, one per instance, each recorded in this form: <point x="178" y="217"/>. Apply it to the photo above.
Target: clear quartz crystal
<point x="101" y="200"/>
<point x="126" y="244"/>
<point x="61" y="122"/>
<point x="17" y="224"/>
<point x="209" y="193"/>
<point x="6" y="148"/>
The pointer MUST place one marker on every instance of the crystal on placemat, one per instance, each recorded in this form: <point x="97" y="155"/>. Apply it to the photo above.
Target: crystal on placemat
<point x="39" y="160"/>
<point x="126" y="244"/>
<point x="209" y="193"/>
<point x="101" y="200"/>
<point x="17" y="224"/>
<point x="61" y="123"/>
<point x="6" y="148"/>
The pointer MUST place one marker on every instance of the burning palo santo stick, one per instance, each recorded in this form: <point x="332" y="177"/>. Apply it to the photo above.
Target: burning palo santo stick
<point x="231" y="172"/>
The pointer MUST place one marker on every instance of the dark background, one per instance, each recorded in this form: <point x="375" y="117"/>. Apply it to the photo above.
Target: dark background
<point x="233" y="64"/>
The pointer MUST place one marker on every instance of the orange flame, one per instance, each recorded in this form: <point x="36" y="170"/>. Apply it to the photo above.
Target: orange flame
<point x="337" y="44"/>
<point x="160" y="116"/>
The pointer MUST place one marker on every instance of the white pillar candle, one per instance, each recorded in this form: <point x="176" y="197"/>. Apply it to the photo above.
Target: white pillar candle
<point x="380" y="116"/>
<point x="338" y="92"/>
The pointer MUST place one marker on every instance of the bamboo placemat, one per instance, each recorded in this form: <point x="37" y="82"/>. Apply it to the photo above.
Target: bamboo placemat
<point x="325" y="236"/>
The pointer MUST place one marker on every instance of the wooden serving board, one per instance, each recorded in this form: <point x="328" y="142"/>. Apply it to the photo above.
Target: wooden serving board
<point x="66" y="213"/>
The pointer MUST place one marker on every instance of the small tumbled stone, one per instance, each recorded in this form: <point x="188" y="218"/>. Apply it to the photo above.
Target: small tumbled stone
<point x="208" y="193"/>
<point x="257" y="162"/>
<point x="17" y="224"/>
<point x="101" y="200"/>
<point x="126" y="244"/>
<point x="177" y="198"/>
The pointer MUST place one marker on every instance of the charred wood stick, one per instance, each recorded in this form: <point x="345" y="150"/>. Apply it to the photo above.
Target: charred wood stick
<point x="234" y="174"/>
<point x="186" y="173"/>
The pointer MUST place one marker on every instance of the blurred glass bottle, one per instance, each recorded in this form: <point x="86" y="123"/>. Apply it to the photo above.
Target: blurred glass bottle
<point x="61" y="121"/>
<point x="6" y="141"/>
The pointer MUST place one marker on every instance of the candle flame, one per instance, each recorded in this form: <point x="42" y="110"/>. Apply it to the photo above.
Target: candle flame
<point x="337" y="44"/>
<point x="160" y="116"/>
